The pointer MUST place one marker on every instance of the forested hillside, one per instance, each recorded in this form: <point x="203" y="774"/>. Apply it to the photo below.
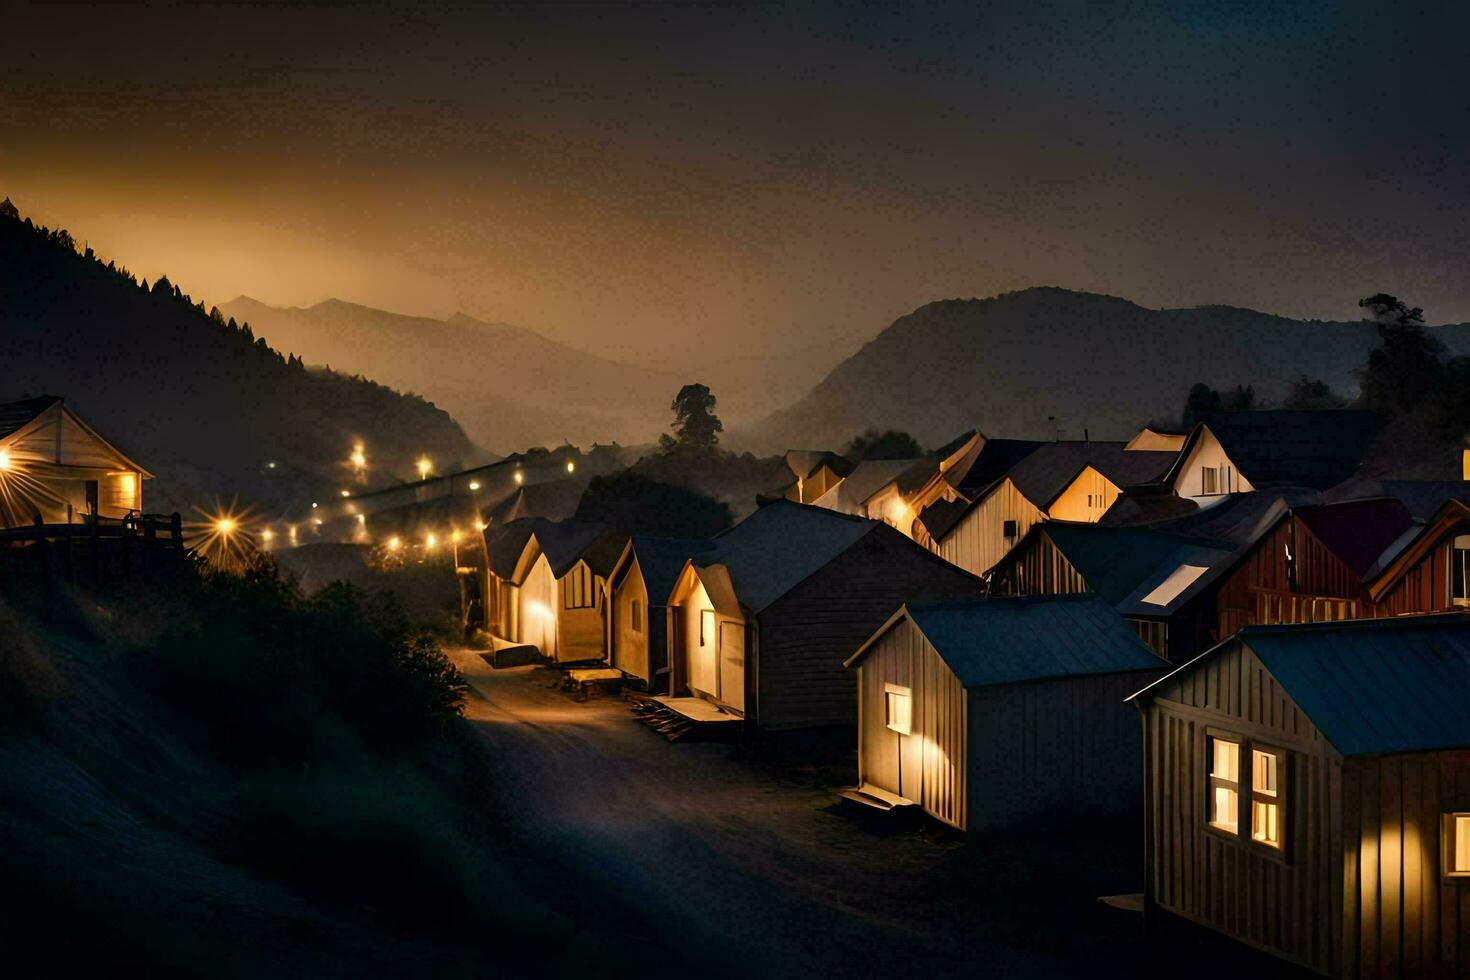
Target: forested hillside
<point x="196" y="399"/>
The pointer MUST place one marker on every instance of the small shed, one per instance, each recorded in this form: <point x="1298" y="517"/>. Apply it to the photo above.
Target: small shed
<point x="1307" y="792"/>
<point x="56" y="468"/>
<point x="640" y="583"/>
<point x="989" y="712"/>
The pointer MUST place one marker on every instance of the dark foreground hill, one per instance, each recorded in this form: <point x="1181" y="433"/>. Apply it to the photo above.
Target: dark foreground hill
<point x="204" y="406"/>
<point x="1030" y="363"/>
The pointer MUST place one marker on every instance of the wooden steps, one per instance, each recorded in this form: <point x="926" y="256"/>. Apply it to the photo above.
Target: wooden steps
<point x="873" y="796"/>
<point x="674" y="720"/>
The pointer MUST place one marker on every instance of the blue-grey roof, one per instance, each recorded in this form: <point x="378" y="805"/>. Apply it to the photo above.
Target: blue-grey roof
<point x="1119" y="562"/>
<point x="1371" y="686"/>
<point x="1376" y="686"/>
<point x="662" y="559"/>
<point x="1009" y="640"/>
<point x="778" y="546"/>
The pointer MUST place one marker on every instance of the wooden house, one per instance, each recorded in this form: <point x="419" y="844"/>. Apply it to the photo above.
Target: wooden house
<point x="1160" y="582"/>
<point x="932" y="479"/>
<point x="1311" y="564"/>
<point x="1307" y="792"/>
<point x="991" y="712"/>
<point x="1431" y="573"/>
<point x="1154" y="439"/>
<point x="56" y="469"/>
<point x="1080" y="479"/>
<point x="1237" y="452"/>
<point x="640" y="584"/>
<point x="867" y="478"/>
<point x="548" y="583"/>
<point x="761" y="623"/>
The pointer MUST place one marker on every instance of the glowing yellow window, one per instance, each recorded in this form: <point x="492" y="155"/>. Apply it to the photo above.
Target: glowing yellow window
<point x="900" y="708"/>
<point x="1266" y="797"/>
<point x="1224" y="804"/>
<point x="1457" y="845"/>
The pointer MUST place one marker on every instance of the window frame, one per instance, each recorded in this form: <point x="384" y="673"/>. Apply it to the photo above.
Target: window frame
<point x="1463" y="554"/>
<point x="1213" y="782"/>
<point x="705" y="638"/>
<point x="1279" y="798"/>
<point x="635" y="615"/>
<point x="1447" y="844"/>
<point x="891" y="692"/>
<point x="577" y="591"/>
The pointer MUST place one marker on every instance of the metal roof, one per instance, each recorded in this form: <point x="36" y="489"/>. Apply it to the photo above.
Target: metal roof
<point x="1124" y="564"/>
<point x="992" y="641"/>
<point x="1371" y="686"/>
<point x="1318" y="449"/>
<point x="661" y="559"/>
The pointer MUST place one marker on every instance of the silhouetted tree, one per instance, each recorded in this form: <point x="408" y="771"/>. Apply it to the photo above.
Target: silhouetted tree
<point x="1308" y="393"/>
<point x="1408" y="362"/>
<point x="891" y="444"/>
<point x="633" y="503"/>
<point x="1204" y="401"/>
<point x="8" y="210"/>
<point x="696" y="426"/>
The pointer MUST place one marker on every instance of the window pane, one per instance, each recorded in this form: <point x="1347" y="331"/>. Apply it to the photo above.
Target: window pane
<point x="1266" y="823"/>
<point x="1222" y="809"/>
<point x="1225" y="765"/>
<point x="1263" y="767"/>
<point x="899" y="708"/>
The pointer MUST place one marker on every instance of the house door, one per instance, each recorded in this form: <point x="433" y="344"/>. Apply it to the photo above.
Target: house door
<point x="92" y="497"/>
<point x="677" y="646"/>
<point x="732" y="664"/>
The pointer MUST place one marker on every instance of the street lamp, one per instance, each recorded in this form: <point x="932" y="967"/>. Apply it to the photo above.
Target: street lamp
<point x="425" y="465"/>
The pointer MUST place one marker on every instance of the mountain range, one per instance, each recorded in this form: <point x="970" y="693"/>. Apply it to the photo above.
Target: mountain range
<point x="1043" y="361"/>
<point x="210" y="409"/>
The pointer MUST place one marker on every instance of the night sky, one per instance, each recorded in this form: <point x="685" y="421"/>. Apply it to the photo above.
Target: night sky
<point x="674" y="182"/>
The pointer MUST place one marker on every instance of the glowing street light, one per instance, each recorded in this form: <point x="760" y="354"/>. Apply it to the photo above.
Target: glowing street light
<point x="426" y="466"/>
<point x="358" y="459"/>
<point x="313" y="505"/>
<point x="346" y="493"/>
<point x="430" y="541"/>
<point x="474" y="485"/>
<point x="225" y="526"/>
<point x="520" y="477"/>
<point x="267" y="536"/>
<point x="4" y="460"/>
<point x="571" y="467"/>
<point x="394" y="544"/>
<point x="479" y="525"/>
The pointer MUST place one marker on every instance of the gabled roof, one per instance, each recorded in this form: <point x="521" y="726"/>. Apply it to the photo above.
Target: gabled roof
<point x="1373" y="686"/>
<point x="1316" y="449"/>
<point x="661" y="559"/>
<point x="991" y="641"/>
<point x="504" y="545"/>
<point x="1452" y="514"/>
<point x="1153" y="438"/>
<point x="866" y="479"/>
<point x="804" y="462"/>
<point x="15" y="416"/>
<point x="1047" y="471"/>
<point x="779" y="546"/>
<point x="564" y="543"/>
<point x="997" y="457"/>
<point x="1124" y="564"/>
<point x="1357" y="531"/>
<point x="942" y="515"/>
<point x="1237" y="518"/>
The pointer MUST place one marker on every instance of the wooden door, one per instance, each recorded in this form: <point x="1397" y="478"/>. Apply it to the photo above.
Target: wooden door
<point x="732" y="664"/>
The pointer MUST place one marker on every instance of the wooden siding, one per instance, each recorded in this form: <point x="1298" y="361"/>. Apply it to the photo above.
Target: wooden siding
<point x="805" y="636"/>
<point x="700" y="670"/>
<point x="1207" y="451"/>
<point x="1086" y="499"/>
<point x="537" y="600"/>
<point x="1037" y="568"/>
<point x="630" y="645"/>
<point x="1400" y="915"/>
<point x="978" y="541"/>
<point x="928" y="765"/>
<point x="1287" y="904"/>
<point x="581" y="630"/>
<point x="1261" y="590"/>
<point x="1424" y="588"/>
<point x="1069" y="745"/>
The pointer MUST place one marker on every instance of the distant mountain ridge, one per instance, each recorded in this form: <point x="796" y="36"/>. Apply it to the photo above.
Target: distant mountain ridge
<point x="1032" y="363"/>
<point x="510" y="387"/>
<point x="205" y="407"/>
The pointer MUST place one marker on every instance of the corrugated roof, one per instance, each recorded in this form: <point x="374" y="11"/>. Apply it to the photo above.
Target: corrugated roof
<point x="1010" y="640"/>
<point x="780" y="545"/>
<point x="1372" y="686"/>
<point x="1316" y="449"/>
<point x="15" y="416"/>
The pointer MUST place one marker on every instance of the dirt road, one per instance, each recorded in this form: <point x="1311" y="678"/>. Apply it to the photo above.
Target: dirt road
<point x="726" y="866"/>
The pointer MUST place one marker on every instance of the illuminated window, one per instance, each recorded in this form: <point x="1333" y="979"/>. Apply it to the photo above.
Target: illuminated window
<point x="706" y="627"/>
<point x="1224" y="803"/>
<point x="899" y="708"/>
<point x="635" y="618"/>
<point x="1266" y="797"/>
<point x="1460" y="571"/>
<point x="1457" y="845"/>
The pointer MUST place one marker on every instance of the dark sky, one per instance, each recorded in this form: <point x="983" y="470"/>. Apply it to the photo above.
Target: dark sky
<point x="678" y="182"/>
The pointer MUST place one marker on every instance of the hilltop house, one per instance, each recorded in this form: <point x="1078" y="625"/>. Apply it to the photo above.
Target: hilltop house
<point x="1307" y="792"/>
<point x="1237" y="452"/>
<point x="1160" y="582"/>
<point x="55" y="468"/>
<point x="640" y="583"/>
<point x="989" y="712"/>
<point x="1079" y="479"/>
<point x="761" y="623"/>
